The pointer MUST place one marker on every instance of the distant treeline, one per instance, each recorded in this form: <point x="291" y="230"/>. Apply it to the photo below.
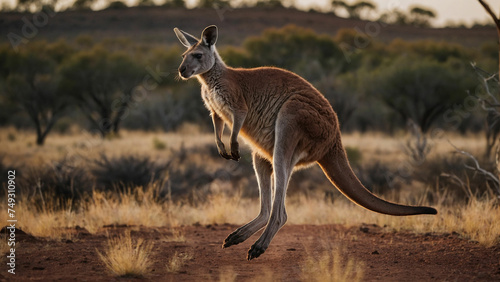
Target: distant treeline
<point x="119" y="83"/>
<point x="416" y="15"/>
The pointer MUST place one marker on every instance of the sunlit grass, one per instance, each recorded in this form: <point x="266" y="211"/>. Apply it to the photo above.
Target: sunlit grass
<point x="177" y="261"/>
<point x="124" y="257"/>
<point x="176" y="236"/>
<point x="477" y="220"/>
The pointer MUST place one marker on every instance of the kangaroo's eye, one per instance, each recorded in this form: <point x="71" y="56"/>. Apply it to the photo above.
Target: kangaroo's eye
<point x="197" y="56"/>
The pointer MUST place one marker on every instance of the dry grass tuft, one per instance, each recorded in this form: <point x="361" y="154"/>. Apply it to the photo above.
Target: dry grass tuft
<point x="138" y="207"/>
<point x="478" y="221"/>
<point x="177" y="261"/>
<point x="228" y="275"/>
<point x="177" y="236"/>
<point x="124" y="258"/>
<point x="332" y="266"/>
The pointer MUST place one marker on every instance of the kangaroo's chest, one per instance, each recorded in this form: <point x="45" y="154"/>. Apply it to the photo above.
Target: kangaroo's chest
<point x="217" y="102"/>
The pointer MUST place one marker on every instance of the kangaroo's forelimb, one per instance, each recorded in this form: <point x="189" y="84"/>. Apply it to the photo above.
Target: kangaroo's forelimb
<point x="238" y="120"/>
<point x="218" y="129"/>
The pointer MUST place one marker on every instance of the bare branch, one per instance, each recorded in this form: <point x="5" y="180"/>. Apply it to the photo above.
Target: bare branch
<point x="459" y="181"/>
<point x="490" y="12"/>
<point x="479" y="169"/>
<point x="497" y="161"/>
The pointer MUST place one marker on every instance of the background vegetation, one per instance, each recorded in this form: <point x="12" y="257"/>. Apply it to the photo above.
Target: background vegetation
<point x="122" y="123"/>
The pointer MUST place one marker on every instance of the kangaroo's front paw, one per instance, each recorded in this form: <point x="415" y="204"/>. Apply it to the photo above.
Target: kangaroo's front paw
<point x="225" y="155"/>
<point x="255" y="251"/>
<point x="222" y="151"/>
<point x="235" y="151"/>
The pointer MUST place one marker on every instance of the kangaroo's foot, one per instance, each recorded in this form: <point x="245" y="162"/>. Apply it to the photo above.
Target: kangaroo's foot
<point x="256" y="250"/>
<point x="241" y="234"/>
<point x="233" y="239"/>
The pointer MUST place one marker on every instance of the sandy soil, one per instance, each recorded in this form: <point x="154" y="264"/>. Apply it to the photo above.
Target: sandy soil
<point x="387" y="256"/>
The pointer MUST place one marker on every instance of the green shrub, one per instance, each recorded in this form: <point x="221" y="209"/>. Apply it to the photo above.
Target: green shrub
<point x="158" y="144"/>
<point x="420" y="90"/>
<point x="291" y="45"/>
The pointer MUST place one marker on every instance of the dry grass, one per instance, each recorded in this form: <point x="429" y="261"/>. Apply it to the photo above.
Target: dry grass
<point x="177" y="261"/>
<point x="475" y="220"/>
<point x="219" y="208"/>
<point x="123" y="257"/>
<point x="176" y="236"/>
<point x="82" y="145"/>
<point x="374" y="146"/>
<point x="228" y="275"/>
<point x="333" y="266"/>
<point x="130" y="208"/>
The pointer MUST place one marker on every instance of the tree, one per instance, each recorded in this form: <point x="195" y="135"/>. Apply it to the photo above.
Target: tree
<point x="34" y="5"/>
<point x="355" y="9"/>
<point x="146" y="3"/>
<point x="290" y="47"/>
<point x="492" y="100"/>
<point x="396" y="16"/>
<point x="421" y="16"/>
<point x="269" y="4"/>
<point x="213" y="3"/>
<point x="102" y="85"/>
<point x="83" y="4"/>
<point x="116" y="5"/>
<point x="419" y="91"/>
<point x="336" y="4"/>
<point x="32" y="83"/>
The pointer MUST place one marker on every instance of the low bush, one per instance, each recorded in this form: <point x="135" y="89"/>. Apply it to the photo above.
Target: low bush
<point x="54" y="186"/>
<point x="127" y="171"/>
<point x="450" y="172"/>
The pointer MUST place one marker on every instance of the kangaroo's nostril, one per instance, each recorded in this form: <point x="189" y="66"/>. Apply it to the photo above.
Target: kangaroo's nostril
<point x="182" y="69"/>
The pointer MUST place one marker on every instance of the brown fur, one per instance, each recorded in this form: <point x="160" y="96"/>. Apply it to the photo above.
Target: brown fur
<point x="287" y="122"/>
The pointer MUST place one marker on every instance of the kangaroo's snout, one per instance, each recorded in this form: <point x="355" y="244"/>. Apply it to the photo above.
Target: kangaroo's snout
<point x="184" y="73"/>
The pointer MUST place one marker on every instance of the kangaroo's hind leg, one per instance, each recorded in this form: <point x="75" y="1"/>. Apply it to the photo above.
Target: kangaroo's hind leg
<point x="263" y="170"/>
<point x="285" y="157"/>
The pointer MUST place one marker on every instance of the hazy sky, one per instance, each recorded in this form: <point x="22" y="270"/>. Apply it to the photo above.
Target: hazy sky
<point x="466" y="11"/>
<point x="446" y="10"/>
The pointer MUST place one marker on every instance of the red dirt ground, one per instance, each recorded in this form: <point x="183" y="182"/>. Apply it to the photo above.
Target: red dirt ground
<point x="387" y="256"/>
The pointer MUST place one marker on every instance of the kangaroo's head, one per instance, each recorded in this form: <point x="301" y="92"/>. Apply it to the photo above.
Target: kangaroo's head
<point x="201" y="55"/>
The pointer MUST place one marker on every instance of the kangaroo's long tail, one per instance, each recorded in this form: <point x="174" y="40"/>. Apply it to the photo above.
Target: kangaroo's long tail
<point x="336" y="167"/>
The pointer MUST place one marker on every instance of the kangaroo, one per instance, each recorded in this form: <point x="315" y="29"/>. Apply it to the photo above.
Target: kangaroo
<point x="287" y="123"/>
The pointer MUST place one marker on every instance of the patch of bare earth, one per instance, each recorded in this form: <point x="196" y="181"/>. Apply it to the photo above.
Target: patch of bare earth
<point x="386" y="256"/>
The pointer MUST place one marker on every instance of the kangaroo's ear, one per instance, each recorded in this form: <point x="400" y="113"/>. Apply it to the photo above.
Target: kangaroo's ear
<point x="209" y="35"/>
<point x="185" y="38"/>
